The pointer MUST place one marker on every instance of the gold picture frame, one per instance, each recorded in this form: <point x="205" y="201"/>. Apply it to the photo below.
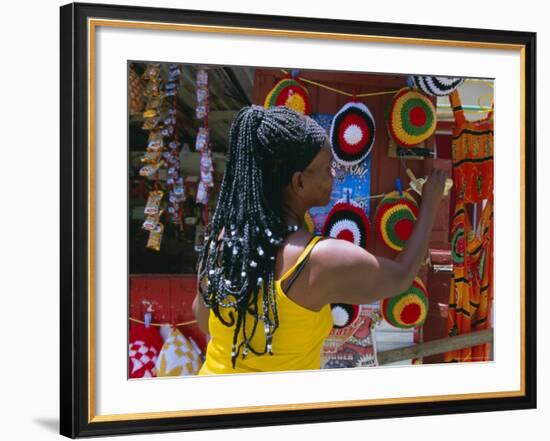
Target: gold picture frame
<point x="79" y="174"/>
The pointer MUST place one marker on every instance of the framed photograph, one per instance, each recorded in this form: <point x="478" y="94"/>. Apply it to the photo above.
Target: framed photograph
<point x="208" y="159"/>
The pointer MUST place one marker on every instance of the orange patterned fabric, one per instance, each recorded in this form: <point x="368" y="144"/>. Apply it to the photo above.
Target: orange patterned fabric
<point x="471" y="292"/>
<point x="472" y="154"/>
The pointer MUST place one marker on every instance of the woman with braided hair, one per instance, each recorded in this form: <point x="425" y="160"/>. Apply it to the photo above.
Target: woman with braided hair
<point x="265" y="283"/>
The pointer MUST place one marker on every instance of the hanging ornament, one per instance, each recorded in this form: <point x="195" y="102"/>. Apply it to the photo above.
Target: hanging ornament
<point x="202" y="143"/>
<point x="291" y="93"/>
<point x="179" y="190"/>
<point x="155" y="237"/>
<point x="395" y="218"/>
<point x="348" y="221"/>
<point x="135" y="92"/>
<point x="202" y="96"/>
<point x="343" y="314"/>
<point x="435" y="86"/>
<point x="202" y="194"/>
<point x="411" y="117"/>
<point x="207" y="167"/>
<point x="201" y="83"/>
<point x="153" y="202"/>
<point x="408" y="309"/>
<point x="352" y="133"/>
<point x="202" y="78"/>
<point x="203" y="138"/>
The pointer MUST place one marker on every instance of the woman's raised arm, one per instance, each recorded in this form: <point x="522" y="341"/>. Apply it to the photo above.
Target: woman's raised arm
<point x="346" y="273"/>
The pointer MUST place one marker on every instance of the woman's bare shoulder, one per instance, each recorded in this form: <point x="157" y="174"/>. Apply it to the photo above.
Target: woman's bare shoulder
<point x="331" y="252"/>
<point x="342" y="271"/>
<point x="290" y="249"/>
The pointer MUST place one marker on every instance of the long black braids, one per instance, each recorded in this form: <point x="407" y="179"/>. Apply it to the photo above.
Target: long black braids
<point x="266" y="147"/>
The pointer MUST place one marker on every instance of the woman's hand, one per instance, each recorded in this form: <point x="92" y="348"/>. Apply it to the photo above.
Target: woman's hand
<point x="345" y="273"/>
<point x="432" y="190"/>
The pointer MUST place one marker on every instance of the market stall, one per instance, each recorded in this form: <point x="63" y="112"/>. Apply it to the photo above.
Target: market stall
<point x="387" y="132"/>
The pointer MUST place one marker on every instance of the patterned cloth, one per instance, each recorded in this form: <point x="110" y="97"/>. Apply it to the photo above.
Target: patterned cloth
<point x="145" y="344"/>
<point x="471" y="292"/>
<point x="178" y="356"/>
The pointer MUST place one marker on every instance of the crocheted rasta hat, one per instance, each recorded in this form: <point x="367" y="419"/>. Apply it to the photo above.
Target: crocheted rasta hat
<point x="343" y="314"/>
<point x="395" y="218"/>
<point x="348" y="221"/>
<point x="435" y="86"/>
<point x="291" y="93"/>
<point x="411" y="117"/>
<point x="408" y="309"/>
<point x="352" y="133"/>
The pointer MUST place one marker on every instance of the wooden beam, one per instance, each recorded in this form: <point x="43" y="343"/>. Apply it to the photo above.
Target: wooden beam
<point x="436" y="347"/>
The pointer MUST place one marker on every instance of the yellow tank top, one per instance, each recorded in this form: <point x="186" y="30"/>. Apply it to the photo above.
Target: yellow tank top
<point x="297" y="342"/>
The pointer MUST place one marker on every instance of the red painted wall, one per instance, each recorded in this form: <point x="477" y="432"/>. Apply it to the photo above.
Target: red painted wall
<point x="172" y="297"/>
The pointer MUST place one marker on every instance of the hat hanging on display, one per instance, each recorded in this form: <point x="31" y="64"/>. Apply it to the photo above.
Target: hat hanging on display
<point x="408" y="309"/>
<point x="352" y="133"/>
<point x="343" y="314"/>
<point x="291" y="93"/>
<point x="411" y="117"/>
<point x="395" y="218"/>
<point x="347" y="220"/>
<point x="435" y="86"/>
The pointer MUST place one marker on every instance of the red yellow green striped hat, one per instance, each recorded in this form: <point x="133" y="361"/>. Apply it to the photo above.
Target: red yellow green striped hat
<point x="411" y="117"/>
<point x="291" y="93"/>
<point x="408" y="309"/>
<point x="395" y="218"/>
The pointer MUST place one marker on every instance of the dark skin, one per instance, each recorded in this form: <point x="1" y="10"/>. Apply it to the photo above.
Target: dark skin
<point x="337" y="270"/>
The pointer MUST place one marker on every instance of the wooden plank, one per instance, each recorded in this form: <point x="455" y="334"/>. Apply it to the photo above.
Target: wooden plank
<point x="436" y="347"/>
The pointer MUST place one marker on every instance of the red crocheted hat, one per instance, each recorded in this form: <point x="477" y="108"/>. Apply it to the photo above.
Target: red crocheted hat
<point x="291" y="93"/>
<point x="395" y="218"/>
<point x="343" y="314"/>
<point x="411" y="117"/>
<point x="348" y="221"/>
<point x="408" y="309"/>
<point x="352" y="133"/>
